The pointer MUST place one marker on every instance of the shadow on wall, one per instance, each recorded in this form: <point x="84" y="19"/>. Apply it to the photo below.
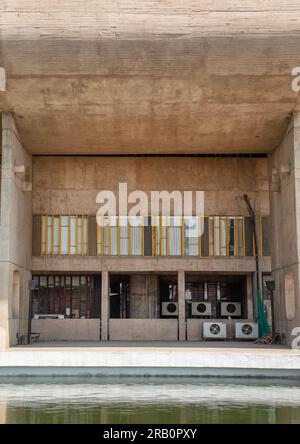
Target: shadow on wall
<point x="16" y="295"/>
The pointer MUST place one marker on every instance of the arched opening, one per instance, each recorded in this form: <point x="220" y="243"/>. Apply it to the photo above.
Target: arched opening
<point x="289" y="291"/>
<point x="16" y="295"/>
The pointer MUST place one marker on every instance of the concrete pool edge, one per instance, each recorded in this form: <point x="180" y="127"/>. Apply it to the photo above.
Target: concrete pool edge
<point x="150" y="361"/>
<point x="147" y="372"/>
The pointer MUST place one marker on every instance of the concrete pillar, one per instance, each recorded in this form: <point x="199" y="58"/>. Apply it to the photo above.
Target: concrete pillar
<point x="105" y="306"/>
<point x="15" y="231"/>
<point x="284" y="175"/>
<point x="181" y="306"/>
<point x="143" y="296"/>
<point x="152" y="292"/>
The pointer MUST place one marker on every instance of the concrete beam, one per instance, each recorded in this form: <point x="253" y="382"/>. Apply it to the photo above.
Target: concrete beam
<point x="148" y="264"/>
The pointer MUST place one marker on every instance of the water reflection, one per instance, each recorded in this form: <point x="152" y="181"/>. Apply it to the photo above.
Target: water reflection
<point x="148" y="400"/>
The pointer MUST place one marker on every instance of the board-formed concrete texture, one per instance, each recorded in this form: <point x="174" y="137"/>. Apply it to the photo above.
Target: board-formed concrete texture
<point x="150" y="76"/>
<point x="15" y="235"/>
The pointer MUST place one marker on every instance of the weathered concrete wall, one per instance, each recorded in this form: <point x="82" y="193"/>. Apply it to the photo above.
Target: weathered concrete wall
<point x="157" y="76"/>
<point x="143" y="296"/>
<point x="67" y="329"/>
<point x="70" y="184"/>
<point x="285" y="226"/>
<point x="15" y="235"/>
<point x="143" y="329"/>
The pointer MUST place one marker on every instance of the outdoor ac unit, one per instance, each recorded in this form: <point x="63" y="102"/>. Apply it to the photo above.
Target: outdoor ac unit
<point x="169" y="309"/>
<point x="214" y="330"/>
<point x="246" y="330"/>
<point x="231" y="309"/>
<point x="201" y="308"/>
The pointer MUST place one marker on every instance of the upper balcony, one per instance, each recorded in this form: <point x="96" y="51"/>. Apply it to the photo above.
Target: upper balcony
<point x="76" y="242"/>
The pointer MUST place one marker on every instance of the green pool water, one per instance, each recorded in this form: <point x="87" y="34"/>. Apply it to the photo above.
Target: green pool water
<point x="148" y="400"/>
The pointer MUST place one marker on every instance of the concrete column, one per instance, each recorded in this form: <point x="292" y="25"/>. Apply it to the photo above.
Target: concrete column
<point x="152" y="292"/>
<point x="15" y="231"/>
<point x="105" y="306"/>
<point x="143" y="296"/>
<point x="284" y="176"/>
<point x="138" y="297"/>
<point x="181" y="306"/>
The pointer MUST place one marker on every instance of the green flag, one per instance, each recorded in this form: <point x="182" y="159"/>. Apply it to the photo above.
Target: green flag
<point x="263" y="325"/>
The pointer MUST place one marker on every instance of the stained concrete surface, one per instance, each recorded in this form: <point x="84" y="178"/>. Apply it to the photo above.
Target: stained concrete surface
<point x="228" y="345"/>
<point x="148" y="76"/>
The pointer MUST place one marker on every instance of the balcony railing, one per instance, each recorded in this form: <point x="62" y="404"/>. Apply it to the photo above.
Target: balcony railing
<point x="210" y="236"/>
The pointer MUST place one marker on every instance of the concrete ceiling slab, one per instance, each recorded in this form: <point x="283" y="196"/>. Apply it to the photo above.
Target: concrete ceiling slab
<point x="150" y="77"/>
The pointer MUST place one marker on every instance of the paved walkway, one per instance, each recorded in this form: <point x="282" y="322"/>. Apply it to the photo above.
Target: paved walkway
<point x="152" y="344"/>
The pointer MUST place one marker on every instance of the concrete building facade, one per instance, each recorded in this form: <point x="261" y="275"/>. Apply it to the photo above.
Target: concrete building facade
<point x="43" y="191"/>
<point x="195" y="106"/>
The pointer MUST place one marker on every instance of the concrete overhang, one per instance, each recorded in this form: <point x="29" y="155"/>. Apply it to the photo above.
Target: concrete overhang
<point x="150" y="76"/>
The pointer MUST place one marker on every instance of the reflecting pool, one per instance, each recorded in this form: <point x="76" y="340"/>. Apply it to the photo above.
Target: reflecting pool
<point x="151" y="400"/>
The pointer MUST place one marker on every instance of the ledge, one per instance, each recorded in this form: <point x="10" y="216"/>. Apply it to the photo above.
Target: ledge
<point x="148" y="264"/>
<point x="143" y="360"/>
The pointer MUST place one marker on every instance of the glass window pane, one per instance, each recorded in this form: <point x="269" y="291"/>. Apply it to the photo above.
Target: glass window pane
<point x="44" y="227"/>
<point x="73" y="235"/>
<point x="49" y="235"/>
<point x="64" y="235"/>
<point x="113" y="240"/>
<point x="163" y="233"/>
<point x="124" y="236"/>
<point x="106" y="240"/>
<point x="211" y="236"/>
<point x="191" y="236"/>
<point x="231" y="233"/>
<point x="217" y="235"/>
<point x="99" y="240"/>
<point x="174" y="236"/>
<point x="56" y="236"/>
<point x="136" y="241"/>
<point x="240" y="236"/>
<point x="79" y="235"/>
<point x="205" y="238"/>
<point x="248" y="236"/>
<point x="86" y="240"/>
<point x="223" y="236"/>
<point x="155" y="222"/>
